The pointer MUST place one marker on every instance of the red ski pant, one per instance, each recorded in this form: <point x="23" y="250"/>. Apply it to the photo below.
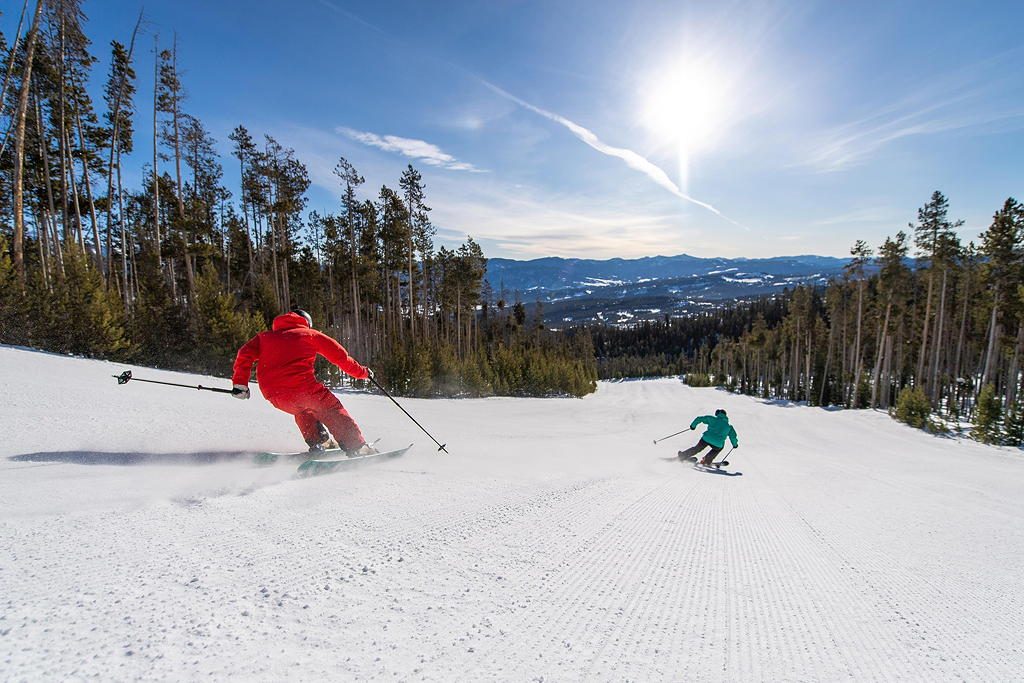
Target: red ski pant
<point x="317" y="406"/>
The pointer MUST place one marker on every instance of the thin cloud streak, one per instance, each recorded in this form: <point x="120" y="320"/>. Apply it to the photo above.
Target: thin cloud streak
<point x="953" y="102"/>
<point x="849" y="146"/>
<point x="862" y="215"/>
<point x="354" y="17"/>
<point x="632" y="159"/>
<point x="421" y="150"/>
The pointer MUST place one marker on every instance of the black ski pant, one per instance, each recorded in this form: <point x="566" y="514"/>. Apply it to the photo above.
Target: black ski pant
<point x="698" y="447"/>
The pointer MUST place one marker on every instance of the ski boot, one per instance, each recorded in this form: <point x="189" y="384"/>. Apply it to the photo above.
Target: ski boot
<point x="365" y="449"/>
<point x="324" y="442"/>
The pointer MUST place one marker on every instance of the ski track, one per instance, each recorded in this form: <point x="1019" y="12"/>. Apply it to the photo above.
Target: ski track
<point x="554" y="544"/>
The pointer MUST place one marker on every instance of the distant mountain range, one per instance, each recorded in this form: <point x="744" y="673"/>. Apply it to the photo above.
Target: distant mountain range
<point x="620" y="291"/>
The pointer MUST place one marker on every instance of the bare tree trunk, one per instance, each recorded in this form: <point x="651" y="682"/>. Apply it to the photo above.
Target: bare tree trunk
<point x="411" y="288"/>
<point x="124" y="241"/>
<point x="156" y="153"/>
<point x="58" y="253"/>
<point x="20" y="116"/>
<point x="245" y="210"/>
<point x="1013" y="376"/>
<point x="807" y="368"/>
<point x="354" y="259"/>
<point x="857" y="362"/>
<point x="828" y="363"/>
<point x="88" y="185"/>
<point x="794" y="372"/>
<point x="844" y="356"/>
<point x="274" y="249"/>
<point x="59" y="250"/>
<point x="919" y="377"/>
<point x="69" y="166"/>
<point x="937" y="345"/>
<point x="10" y="72"/>
<point x="887" y="389"/>
<point x="190" y="277"/>
<point x="357" y="310"/>
<point x="134" y="271"/>
<point x="876" y="373"/>
<point x="991" y="348"/>
<point x="41" y="244"/>
<point x="963" y="328"/>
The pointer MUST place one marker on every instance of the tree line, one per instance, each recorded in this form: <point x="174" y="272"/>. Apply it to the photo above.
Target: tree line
<point x="938" y="340"/>
<point x="181" y="270"/>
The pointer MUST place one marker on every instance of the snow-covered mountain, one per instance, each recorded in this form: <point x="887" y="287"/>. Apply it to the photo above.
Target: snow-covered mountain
<point x="624" y="290"/>
<point x="554" y="543"/>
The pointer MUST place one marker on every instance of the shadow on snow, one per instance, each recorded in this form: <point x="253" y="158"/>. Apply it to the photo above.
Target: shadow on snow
<point x="131" y="459"/>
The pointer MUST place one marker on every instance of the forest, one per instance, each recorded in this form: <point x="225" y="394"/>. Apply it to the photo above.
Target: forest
<point x="180" y="270"/>
<point x="937" y="340"/>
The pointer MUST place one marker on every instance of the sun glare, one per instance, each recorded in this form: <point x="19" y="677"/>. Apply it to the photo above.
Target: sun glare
<point x="685" y="107"/>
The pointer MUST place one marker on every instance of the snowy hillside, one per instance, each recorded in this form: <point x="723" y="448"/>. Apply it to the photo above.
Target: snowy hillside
<point x="554" y="543"/>
<point x="622" y="291"/>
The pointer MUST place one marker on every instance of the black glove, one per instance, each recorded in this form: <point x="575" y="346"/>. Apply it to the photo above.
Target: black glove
<point x="240" y="391"/>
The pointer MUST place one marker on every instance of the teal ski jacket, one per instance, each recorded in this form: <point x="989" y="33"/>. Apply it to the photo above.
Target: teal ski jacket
<point x="718" y="430"/>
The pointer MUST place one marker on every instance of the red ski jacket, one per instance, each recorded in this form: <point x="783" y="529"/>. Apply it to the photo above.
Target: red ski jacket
<point x="284" y="357"/>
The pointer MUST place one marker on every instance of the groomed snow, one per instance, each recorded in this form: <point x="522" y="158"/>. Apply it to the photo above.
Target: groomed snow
<point x="555" y="542"/>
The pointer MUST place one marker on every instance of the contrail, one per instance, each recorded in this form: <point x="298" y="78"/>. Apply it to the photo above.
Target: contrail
<point x="632" y="159"/>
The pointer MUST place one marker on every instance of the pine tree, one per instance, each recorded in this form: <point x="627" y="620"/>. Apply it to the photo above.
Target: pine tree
<point x="80" y="316"/>
<point x="12" y="301"/>
<point x="988" y="417"/>
<point x="1014" y="430"/>
<point x="118" y="94"/>
<point x="221" y="328"/>
<point x="913" y="407"/>
<point x="1001" y="245"/>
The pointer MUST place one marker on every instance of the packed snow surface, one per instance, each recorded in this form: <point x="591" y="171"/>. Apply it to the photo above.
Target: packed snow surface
<point x="556" y="542"/>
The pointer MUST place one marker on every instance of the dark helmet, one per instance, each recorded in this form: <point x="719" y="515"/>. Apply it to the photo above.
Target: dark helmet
<point x="720" y="411"/>
<point x="307" y="316"/>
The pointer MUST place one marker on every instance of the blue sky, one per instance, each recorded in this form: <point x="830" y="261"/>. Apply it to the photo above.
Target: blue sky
<point x="600" y="129"/>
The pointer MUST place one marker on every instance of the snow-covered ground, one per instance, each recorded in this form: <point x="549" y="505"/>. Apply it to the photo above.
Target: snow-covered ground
<point x="555" y="542"/>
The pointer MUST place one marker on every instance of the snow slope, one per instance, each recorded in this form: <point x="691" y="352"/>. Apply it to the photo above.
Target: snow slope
<point x="555" y="542"/>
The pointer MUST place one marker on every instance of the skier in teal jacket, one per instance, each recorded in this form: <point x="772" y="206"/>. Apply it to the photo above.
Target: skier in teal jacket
<point x="714" y="436"/>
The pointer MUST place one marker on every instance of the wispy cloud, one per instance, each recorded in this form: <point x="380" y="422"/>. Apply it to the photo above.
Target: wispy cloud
<point x="632" y="159"/>
<point x="354" y="17"/>
<point x="876" y="214"/>
<point x="529" y="222"/>
<point x="523" y="226"/>
<point x="421" y="150"/>
<point x="953" y="102"/>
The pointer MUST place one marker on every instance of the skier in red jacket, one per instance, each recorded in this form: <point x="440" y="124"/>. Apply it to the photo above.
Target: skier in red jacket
<point x="284" y="370"/>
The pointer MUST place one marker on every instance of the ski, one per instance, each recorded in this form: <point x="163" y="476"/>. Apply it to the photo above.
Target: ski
<point x="318" y="466"/>
<point x="694" y="458"/>
<point x="270" y="457"/>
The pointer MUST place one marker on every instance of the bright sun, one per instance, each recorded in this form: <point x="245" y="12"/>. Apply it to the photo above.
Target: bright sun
<point x="685" y="107"/>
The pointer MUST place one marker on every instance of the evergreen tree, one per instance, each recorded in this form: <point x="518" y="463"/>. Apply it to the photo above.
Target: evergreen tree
<point x="222" y="329"/>
<point x="989" y="415"/>
<point x="12" y="305"/>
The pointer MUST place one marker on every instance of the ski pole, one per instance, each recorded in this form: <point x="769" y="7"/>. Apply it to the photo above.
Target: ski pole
<point x="440" y="446"/>
<point x="726" y="458"/>
<point x="126" y="377"/>
<point x="671" y="435"/>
